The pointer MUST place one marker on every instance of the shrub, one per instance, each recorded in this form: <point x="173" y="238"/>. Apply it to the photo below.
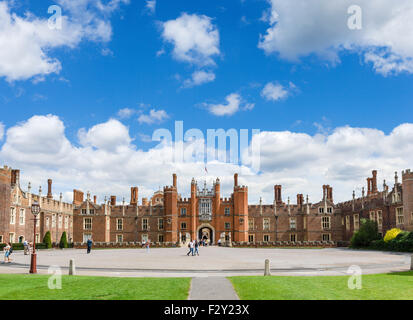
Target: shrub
<point x="391" y="234"/>
<point x="19" y="246"/>
<point x="367" y="233"/>
<point x="63" y="241"/>
<point x="47" y="240"/>
<point x="402" y="236"/>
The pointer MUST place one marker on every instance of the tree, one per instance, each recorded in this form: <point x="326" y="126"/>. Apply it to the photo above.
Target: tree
<point x="367" y="233"/>
<point x="63" y="241"/>
<point x="47" y="240"/>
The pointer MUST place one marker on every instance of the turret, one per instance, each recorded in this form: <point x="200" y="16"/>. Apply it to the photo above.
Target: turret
<point x="240" y="197"/>
<point x="407" y="186"/>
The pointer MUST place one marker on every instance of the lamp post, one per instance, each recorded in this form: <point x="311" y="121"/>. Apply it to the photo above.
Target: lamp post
<point x="35" y="211"/>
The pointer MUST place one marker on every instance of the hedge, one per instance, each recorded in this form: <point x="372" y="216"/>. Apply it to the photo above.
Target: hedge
<point x="19" y="246"/>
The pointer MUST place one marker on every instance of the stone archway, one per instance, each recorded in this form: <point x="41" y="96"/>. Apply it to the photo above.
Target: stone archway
<point x="206" y="231"/>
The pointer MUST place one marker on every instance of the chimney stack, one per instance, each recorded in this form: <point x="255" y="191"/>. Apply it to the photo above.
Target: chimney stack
<point x="277" y="194"/>
<point x="15" y="177"/>
<point x="174" y="180"/>
<point x="374" y="181"/>
<point x="329" y="193"/>
<point x="113" y="200"/>
<point x="49" y="189"/>
<point x="134" y="196"/>
<point x="236" y="180"/>
<point x="300" y="200"/>
<point x="94" y="199"/>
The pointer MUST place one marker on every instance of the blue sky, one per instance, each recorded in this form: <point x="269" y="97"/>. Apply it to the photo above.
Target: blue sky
<point x="135" y="68"/>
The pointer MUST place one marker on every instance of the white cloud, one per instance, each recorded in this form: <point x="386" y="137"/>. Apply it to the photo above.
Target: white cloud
<point x="299" y="28"/>
<point x="109" y="136"/>
<point x="27" y="41"/>
<point x="198" y="78"/>
<point x="151" y="6"/>
<point x="300" y="162"/>
<point x="232" y="106"/>
<point x="194" y="37"/>
<point x="126" y="113"/>
<point x="154" y="116"/>
<point x="1" y="131"/>
<point x="275" y="91"/>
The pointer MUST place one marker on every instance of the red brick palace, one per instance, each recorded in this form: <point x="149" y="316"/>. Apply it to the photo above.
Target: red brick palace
<point x="170" y="219"/>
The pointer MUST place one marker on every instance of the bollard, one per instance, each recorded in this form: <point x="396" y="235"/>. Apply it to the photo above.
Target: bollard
<point x="72" y="267"/>
<point x="267" y="268"/>
<point x="411" y="262"/>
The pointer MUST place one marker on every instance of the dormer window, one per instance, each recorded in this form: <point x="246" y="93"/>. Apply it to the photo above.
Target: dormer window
<point x="321" y="210"/>
<point x="329" y="210"/>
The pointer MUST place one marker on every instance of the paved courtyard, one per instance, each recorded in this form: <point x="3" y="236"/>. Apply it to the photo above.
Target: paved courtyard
<point x="213" y="261"/>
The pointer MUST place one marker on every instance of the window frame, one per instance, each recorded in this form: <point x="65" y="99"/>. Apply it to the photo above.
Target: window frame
<point x="399" y="217"/>
<point x="119" y="224"/>
<point x="326" y="223"/>
<point x="86" y="226"/>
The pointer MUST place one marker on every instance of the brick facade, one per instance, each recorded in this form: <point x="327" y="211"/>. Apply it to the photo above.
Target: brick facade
<point x="169" y="218"/>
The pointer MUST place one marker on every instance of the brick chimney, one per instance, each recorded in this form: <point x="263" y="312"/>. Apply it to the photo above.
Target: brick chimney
<point x="49" y="189"/>
<point x="277" y="194"/>
<point x="236" y="180"/>
<point x="113" y="200"/>
<point x="134" y="196"/>
<point x="300" y="200"/>
<point x="174" y="178"/>
<point x="77" y="197"/>
<point x="15" y="177"/>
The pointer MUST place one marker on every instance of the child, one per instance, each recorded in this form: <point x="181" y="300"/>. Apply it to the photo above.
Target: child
<point x="6" y="250"/>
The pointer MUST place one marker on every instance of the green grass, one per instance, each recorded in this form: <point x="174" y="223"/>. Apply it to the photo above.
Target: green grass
<point x="393" y="286"/>
<point x="35" y="287"/>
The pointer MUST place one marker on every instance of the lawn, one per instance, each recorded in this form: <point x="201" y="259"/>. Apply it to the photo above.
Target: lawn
<point x="35" y="287"/>
<point x="391" y="286"/>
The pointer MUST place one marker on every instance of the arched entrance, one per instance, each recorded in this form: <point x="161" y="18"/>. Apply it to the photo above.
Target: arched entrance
<point x="206" y="232"/>
<point x="21" y="239"/>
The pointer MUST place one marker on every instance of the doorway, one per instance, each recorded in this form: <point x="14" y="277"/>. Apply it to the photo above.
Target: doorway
<point x="206" y="233"/>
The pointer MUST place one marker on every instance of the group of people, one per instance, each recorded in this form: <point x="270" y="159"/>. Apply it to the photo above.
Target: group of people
<point x="8" y="250"/>
<point x="193" y="248"/>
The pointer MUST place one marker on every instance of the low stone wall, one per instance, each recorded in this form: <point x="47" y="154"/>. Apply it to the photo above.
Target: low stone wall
<point x="323" y="244"/>
<point x="134" y="245"/>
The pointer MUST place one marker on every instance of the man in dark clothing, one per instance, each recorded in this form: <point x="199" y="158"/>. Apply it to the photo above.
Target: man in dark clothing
<point x="89" y="245"/>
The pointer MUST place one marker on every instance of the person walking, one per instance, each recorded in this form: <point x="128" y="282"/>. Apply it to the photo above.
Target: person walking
<point x="89" y="245"/>
<point x="6" y="250"/>
<point x="191" y="248"/>
<point x="196" y="245"/>
<point x="26" y="247"/>
<point x="147" y="245"/>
